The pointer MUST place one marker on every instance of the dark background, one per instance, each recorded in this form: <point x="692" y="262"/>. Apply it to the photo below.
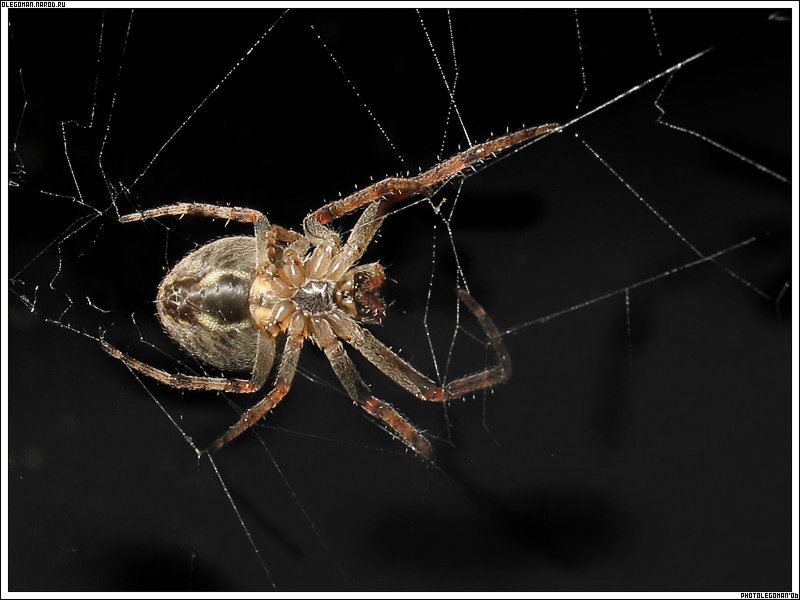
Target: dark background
<point x="666" y="467"/>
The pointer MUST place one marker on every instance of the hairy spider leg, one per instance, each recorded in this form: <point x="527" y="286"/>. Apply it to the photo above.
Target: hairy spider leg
<point x="396" y="423"/>
<point x="211" y="211"/>
<point x="402" y="373"/>
<point x="492" y="376"/>
<point x="184" y="382"/>
<point x="283" y="381"/>
<point x="354" y="385"/>
<point x="265" y="357"/>
<point x="424" y="184"/>
<point x="266" y="234"/>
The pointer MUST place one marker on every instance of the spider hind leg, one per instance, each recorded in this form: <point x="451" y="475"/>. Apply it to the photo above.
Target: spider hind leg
<point x="358" y="391"/>
<point x="346" y="372"/>
<point x="181" y="381"/>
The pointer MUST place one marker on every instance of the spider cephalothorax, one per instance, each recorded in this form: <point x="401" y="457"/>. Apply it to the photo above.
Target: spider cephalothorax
<point x="234" y="301"/>
<point x="322" y="280"/>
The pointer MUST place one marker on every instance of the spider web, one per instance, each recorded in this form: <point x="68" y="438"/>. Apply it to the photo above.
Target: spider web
<point x="639" y="263"/>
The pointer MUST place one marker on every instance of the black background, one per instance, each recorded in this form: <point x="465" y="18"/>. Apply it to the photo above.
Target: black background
<point x="663" y="468"/>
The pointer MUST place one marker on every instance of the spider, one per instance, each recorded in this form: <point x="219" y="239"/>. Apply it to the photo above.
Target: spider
<point x="233" y="301"/>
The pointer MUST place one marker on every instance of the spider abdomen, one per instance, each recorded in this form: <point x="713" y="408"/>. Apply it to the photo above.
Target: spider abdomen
<point x="203" y="303"/>
<point x="220" y="298"/>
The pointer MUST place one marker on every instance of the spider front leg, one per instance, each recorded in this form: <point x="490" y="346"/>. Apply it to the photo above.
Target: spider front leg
<point x="211" y="211"/>
<point x="391" y="188"/>
<point x="266" y="235"/>
<point x="395" y="189"/>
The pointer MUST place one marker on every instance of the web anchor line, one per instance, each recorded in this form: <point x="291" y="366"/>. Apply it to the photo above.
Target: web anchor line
<point x="660" y="120"/>
<point x="669" y="225"/>
<point x="628" y="288"/>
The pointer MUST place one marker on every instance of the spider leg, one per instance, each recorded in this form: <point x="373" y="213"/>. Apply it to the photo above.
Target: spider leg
<point x="354" y="385"/>
<point x="265" y="233"/>
<point x="382" y="357"/>
<point x="265" y="357"/>
<point x="396" y="189"/>
<point x="492" y="376"/>
<point x="401" y="372"/>
<point x="184" y="382"/>
<point x="283" y="381"/>
<point x="365" y="229"/>
<point x="360" y="237"/>
<point x="211" y="211"/>
<point x="319" y="233"/>
<point x="357" y="390"/>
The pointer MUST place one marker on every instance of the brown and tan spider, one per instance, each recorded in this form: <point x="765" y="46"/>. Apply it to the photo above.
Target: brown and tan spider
<point x="230" y="302"/>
